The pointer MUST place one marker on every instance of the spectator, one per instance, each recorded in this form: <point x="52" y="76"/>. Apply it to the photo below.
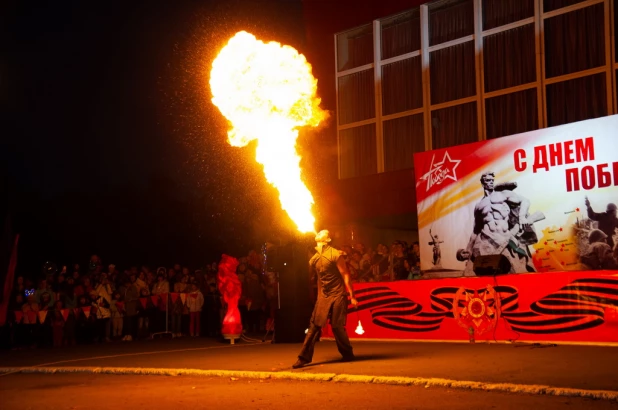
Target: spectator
<point x="101" y="307"/>
<point x="143" y="321"/>
<point x="131" y="300"/>
<point x="177" y="307"/>
<point x="57" y="322"/>
<point x="117" y="316"/>
<point x="212" y="305"/>
<point x="195" y="301"/>
<point x="255" y="299"/>
<point x="30" y="310"/>
<point x="161" y="288"/>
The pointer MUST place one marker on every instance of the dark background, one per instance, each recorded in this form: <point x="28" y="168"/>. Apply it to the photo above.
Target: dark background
<point x="109" y="141"/>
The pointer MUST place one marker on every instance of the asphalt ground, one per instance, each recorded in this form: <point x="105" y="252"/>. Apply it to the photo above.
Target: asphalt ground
<point x="565" y="366"/>
<point x="95" y="391"/>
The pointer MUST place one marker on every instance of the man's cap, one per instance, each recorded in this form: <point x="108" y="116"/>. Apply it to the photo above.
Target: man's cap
<point x="611" y="207"/>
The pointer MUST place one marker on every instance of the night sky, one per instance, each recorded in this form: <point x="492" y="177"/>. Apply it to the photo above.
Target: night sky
<point x="109" y="142"/>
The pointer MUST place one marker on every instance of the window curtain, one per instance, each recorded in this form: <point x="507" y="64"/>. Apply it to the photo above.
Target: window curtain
<point x="358" y="154"/>
<point x="401" y="34"/>
<point x="511" y="114"/>
<point x="454" y="125"/>
<point x="574" y="41"/>
<point x="402" y="86"/>
<point x="497" y="13"/>
<point x="549" y="5"/>
<point x="452" y="73"/>
<point x="355" y="48"/>
<point x="576" y="100"/>
<point x="509" y="58"/>
<point x="450" y="20"/>
<point x="616" y="30"/>
<point x="356" y="97"/>
<point x="402" y="138"/>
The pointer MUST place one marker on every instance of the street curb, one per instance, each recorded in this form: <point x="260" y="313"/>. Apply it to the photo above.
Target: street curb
<point x="534" y="389"/>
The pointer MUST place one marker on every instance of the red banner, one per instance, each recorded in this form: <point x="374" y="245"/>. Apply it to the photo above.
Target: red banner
<point x="65" y="314"/>
<point x="8" y="283"/>
<point x="174" y="296"/>
<point x="558" y="306"/>
<point x="155" y="300"/>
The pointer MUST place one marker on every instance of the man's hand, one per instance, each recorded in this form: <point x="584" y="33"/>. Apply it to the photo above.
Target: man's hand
<point x="354" y="302"/>
<point x="587" y="202"/>
<point x="524" y="224"/>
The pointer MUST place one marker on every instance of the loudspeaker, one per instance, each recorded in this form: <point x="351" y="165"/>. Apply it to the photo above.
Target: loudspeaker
<point x="291" y="262"/>
<point x="490" y="265"/>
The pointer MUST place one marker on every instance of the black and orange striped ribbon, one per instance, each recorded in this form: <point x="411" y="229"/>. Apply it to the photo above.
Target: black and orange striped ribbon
<point x="577" y="306"/>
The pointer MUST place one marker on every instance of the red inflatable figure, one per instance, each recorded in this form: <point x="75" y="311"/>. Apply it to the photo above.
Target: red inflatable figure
<point x="230" y="288"/>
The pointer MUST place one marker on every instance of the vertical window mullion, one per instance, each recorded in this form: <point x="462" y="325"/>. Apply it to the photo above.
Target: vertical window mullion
<point x="377" y="72"/>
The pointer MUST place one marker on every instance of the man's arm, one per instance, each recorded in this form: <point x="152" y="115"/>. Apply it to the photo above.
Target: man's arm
<point x="514" y="200"/>
<point x="591" y="214"/>
<point x="343" y="269"/>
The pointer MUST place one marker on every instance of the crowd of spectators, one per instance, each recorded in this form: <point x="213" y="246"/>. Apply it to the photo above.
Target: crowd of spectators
<point x="71" y="305"/>
<point x="383" y="264"/>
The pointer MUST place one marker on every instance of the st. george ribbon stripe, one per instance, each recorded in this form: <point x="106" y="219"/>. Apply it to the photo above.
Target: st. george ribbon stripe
<point x="577" y="306"/>
<point x="393" y="311"/>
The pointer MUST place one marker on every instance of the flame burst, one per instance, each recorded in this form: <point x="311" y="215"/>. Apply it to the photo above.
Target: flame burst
<point x="267" y="92"/>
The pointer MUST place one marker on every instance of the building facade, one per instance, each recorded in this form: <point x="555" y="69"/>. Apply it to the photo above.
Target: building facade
<point x="451" y="72"/>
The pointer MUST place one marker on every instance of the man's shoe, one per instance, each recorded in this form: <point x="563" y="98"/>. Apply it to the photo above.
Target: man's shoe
<point x="300" y="363"/>
<point x="349" y="358"/>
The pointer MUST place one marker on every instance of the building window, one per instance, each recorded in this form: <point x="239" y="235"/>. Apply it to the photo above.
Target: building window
<point x="577" y="100"/>
<point x="355" y="48"/>
<point x="453" y="73"/>
<point x="512" y="113"/>
<point x="386" y="112"/>
<point x="497" y="13"/>
<point x="402" y="138"/>
<point x="402" y="86"/>
<point x="357" y="150"/>
<point x="450" y="20"/>
<point x="454" y="125"/>
<point x="551" y="5"/>
<point x="509" y="58"/>
<point x="356" y="97"/>
<point x="575" y="41"/>
<point x="401" y="34"/>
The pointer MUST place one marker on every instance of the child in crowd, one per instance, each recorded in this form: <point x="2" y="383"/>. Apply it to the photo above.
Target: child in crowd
<point x="195" y="301"/>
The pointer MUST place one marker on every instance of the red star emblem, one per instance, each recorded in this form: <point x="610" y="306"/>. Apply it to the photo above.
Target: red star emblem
<point x="577" y="209"/>
<point x="547" y="253"/>
<point x="562" y="245"/>
<point x="560" y="229"/>
<point x="561" y="249"/>
<point x="441" y="171"/>
<point x="545" y="242"/>
<point x="555" y="243"/>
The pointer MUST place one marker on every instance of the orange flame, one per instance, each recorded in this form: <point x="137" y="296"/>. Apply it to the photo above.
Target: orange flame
<point x="267" y="92"/>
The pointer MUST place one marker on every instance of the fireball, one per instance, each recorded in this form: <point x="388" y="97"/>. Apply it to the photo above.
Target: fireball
<point x="267" y="92"/>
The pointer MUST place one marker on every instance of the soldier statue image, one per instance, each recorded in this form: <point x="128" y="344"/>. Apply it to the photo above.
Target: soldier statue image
<point x="437" y="255"/>
<point x="502" y="225"/>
